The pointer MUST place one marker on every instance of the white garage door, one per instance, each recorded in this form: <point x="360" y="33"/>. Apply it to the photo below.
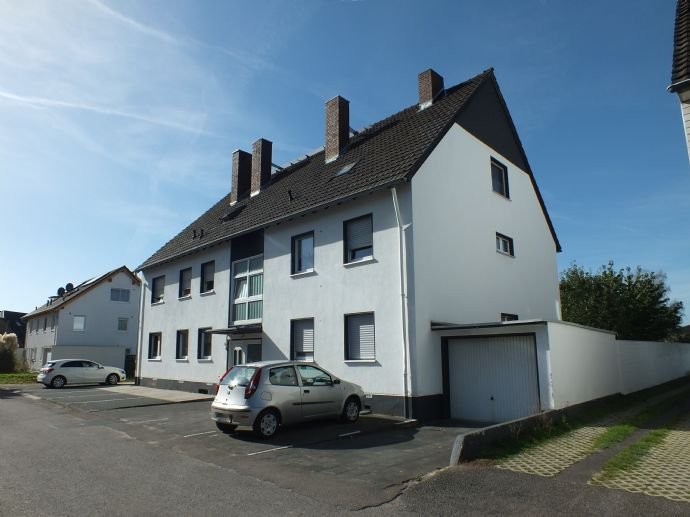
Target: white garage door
<point x="493" y="379"/>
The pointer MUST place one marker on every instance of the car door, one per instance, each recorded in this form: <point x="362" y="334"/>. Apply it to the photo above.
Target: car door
<point x="91" y="372"/>
<point x="285" y="392"/>
<point x="72" y="371"/>
<point x="320" y="397"/>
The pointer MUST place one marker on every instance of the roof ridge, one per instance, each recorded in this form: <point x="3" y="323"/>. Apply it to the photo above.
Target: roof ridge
<point x="387" y="151"/>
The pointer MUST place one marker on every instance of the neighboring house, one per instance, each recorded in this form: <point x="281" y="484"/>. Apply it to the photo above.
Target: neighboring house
<point x="348" y="255"/>
<point x="11" y="323"/>
<point x="98" y="320"/>
<point x="680" y="74"/>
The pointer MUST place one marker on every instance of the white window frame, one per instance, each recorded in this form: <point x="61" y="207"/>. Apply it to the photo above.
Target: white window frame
<point x="505" y="245"/>
<point x="349" y="355"/>
<point x="82" y="327"/>
<point x="246" y="300"/>
<point x="120" y="320"/>
<point x="155" y="346"/>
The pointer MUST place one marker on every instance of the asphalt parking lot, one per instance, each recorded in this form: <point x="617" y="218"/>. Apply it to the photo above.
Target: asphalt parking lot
<point x="370" y="458"/>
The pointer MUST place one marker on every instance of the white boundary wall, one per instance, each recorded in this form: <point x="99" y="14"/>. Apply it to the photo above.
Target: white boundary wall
<point x="587" y="363"/>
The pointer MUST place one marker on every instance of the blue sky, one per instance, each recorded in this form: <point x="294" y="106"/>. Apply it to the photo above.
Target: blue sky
<point x="119" y="119"/>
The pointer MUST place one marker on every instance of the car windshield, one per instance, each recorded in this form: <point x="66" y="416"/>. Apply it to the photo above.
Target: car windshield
<point x="239" y="376"/>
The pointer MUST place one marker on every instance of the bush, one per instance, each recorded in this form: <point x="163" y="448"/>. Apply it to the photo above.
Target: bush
<point x="8" y="347"/>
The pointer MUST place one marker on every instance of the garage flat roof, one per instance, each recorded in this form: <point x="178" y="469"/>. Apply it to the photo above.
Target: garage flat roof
<point x="438" y="325"/>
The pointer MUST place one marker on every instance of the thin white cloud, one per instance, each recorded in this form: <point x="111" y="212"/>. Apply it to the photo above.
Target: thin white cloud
<point x="145" y="29"/>
<point x="249" y="60"/>
<point x="43" y="102"/>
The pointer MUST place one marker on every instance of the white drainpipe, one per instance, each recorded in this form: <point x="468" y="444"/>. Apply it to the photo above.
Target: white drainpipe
<point x="140" y="344"/>
<point x="402" y="245"/>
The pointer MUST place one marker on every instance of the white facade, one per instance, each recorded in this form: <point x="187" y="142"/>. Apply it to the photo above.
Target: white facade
<point x="458" y="275"/>
<point x="89" y="320"/>
<point x="207" y="310"/>
<point x="335" y="289"/>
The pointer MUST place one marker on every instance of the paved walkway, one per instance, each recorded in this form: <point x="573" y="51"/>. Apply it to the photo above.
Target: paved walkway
<point x="663" y="472"/>
<point x="156" y="393"/>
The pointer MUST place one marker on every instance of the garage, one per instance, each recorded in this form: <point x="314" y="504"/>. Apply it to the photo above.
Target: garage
<point x="492" y="379"/>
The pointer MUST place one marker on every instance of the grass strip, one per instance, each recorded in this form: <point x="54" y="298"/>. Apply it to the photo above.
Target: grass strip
<point x="17" y="378"/>
<point x="523" y="441"/>
<point x="630" y="457"/>
<point x="618" y="433"/>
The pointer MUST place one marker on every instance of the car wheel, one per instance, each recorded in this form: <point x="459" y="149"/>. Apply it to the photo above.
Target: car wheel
<point x="226" y="428"/>
<point x="267" y="423"/>
<point x="351" y="410"/>
<point x="58" y="382"/>
<point x="112" y="379"/>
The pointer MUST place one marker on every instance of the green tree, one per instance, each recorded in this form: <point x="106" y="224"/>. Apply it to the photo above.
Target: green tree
<point x="633" y="303"/>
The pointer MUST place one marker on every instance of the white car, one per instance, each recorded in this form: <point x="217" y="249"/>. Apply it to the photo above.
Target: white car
<point x="268" y="394"/>
<point x="55" y="374"/>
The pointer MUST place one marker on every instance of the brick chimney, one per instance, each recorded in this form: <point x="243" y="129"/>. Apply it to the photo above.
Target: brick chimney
<point x="261" y="164"/>
<point x="430" y="85"/>
<point x="337" y="126"/>
<point x="241" y="175"/>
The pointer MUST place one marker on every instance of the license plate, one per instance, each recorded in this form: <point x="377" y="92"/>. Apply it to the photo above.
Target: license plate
<point x="224" y="418"/>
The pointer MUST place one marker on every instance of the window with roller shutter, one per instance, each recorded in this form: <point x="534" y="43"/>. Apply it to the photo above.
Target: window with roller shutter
<point x="360" y="337"/>
<point x="358" y="239"/>
<point x="303" y="339"/>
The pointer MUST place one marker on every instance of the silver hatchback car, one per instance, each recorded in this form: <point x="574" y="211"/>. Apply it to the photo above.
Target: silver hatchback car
<point x="268" y="394"/>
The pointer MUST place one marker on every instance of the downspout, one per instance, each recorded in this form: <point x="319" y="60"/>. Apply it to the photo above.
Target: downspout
<point x="140" y="344"/>
<point x="402" y="247"/>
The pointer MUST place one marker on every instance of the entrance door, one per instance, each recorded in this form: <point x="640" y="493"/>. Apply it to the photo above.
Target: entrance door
<point x="493" y="379"/>
<point x="243" y="351"/>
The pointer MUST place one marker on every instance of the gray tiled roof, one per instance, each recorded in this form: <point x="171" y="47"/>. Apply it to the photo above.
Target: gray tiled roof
<point x="681" y="46"/>
<point x="388" y="152"/>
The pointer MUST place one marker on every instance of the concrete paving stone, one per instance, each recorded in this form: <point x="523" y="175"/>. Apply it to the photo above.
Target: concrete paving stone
<point x="554" y="456"/>
<point x="663" y="472"/>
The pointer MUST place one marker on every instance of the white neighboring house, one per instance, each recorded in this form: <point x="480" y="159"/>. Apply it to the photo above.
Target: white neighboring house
<point x="349" y="255"/>
<point x="97" y="320"/>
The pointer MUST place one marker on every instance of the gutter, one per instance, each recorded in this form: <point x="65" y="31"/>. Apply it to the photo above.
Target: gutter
<point x="404" y="308"/>
<point x="674" y="87"/>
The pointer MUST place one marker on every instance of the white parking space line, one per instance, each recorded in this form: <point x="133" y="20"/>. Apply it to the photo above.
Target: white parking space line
<point x="349" y="434"/>
<point x="106" y="400"/>
<point x="270" y="450"/>
<point x="406" y="422"/>
<point x="75" y="396"/>
<point x="32" y="397"/>
<point x="199" y="434"/>
<point x="145" y="421"/>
